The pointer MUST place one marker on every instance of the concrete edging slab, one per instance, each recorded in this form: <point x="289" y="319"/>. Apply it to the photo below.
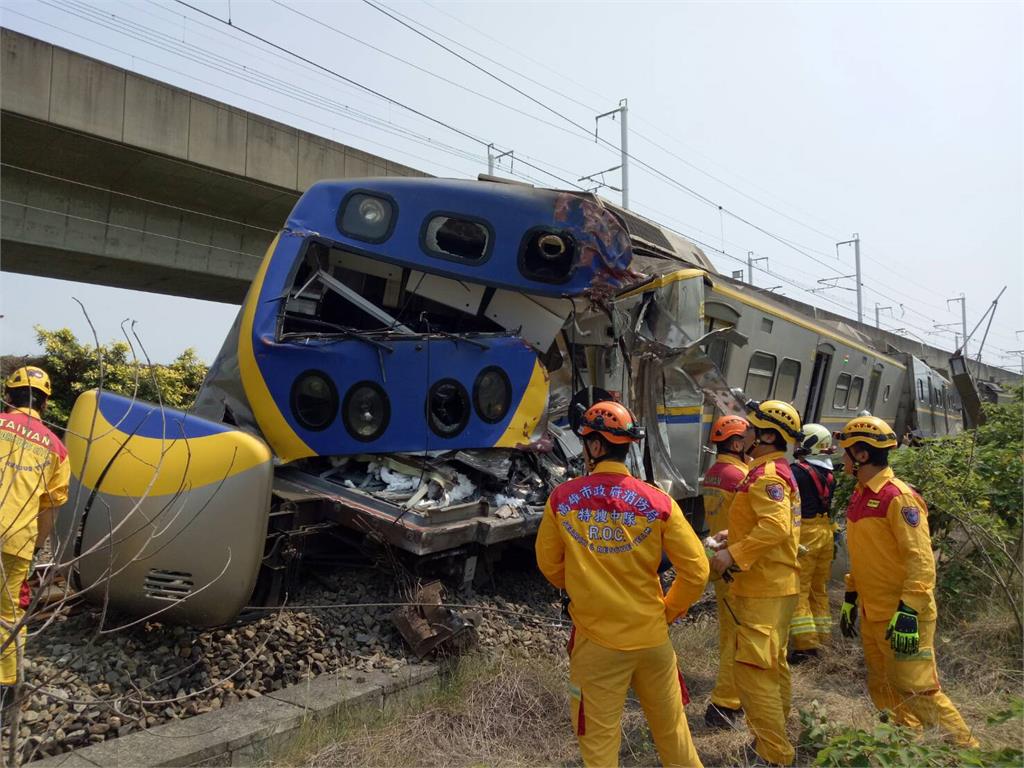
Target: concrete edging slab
<point x="240" y="734"/>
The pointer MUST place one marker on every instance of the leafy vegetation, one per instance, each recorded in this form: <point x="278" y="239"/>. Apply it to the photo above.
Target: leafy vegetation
<point x="832" y="744"/>
<point x="75" y="367"/>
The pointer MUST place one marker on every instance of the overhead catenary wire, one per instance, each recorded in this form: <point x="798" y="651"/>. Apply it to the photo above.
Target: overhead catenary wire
<point x="368" y="89"/>
<point x="644" y="165"/>
<point x="806" y="252"/>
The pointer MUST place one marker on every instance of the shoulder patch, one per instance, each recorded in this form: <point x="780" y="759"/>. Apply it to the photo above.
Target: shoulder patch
<point x="775" y="491"/>
<point x="912" y="516"/>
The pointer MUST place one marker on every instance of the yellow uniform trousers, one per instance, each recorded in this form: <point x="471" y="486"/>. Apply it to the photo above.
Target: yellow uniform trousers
<point x="811" y="626"/>
<point x="15" y="571"/>
<point x="725" y="693"/>
<point x="761" y="671"/>
<point x="909" y="685"/>
<point x="599" y="679"/>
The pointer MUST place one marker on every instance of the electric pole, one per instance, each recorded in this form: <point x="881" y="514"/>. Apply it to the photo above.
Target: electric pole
<point x="750" y="265"/>
<point x="623" y="111"/>
<point x="963" y="317"/>
<point x="878" y="311"/>
<point x="491" y="157"/>
<point x="856" y="255"/>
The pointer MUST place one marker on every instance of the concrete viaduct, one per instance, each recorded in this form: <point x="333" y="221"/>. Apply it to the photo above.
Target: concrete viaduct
<point x="113" y="178"/>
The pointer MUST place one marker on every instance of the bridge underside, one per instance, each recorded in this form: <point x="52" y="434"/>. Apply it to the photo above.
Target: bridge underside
<point x="171" y="227"/>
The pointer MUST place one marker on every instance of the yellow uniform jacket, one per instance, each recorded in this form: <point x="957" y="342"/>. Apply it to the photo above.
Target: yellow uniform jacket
<point x="721" y="481"/>
<point x="890" y="549"/>
<point x="601" y="540"/>
<point x="764" y="530"/>
<point x="34" y="475"/>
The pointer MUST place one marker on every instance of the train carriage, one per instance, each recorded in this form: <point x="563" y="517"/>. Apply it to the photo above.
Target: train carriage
<point x="406" y="367"/>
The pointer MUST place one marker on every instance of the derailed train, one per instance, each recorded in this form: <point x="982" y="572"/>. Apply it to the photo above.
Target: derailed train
<point x="405" y="367"/>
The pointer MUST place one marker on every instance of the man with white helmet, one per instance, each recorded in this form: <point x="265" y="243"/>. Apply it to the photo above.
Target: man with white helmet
<point x="764" y="529"/>
<point x="33" y="483"/>
<point x="811" y="625"/>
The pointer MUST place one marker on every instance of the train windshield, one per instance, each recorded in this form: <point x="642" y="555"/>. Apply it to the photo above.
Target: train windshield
<point x="335" y="290"/>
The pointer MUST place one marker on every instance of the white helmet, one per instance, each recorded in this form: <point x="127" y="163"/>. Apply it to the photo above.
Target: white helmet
<point x="816" y="440"/>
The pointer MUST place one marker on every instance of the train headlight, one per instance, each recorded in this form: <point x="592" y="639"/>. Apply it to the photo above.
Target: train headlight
<point x="366" y="217"/>
<point x="314" y="400"/>
<point x="447" y="408"/>
<point x="492" y="394"/>
<point x="366" y="411"/>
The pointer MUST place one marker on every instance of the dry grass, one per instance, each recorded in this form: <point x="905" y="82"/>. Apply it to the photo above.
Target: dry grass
<point x="511" y="710"/>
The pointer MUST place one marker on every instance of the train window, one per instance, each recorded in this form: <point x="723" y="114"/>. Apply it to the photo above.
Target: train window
<point x="367" y="217"/>
<point x="856" y="390"/>
<point x="788" y="381"/>
<point x="547" y="256"/>
<point x="920" y="391"/>
<point x="314" y="400"/>
<point x="717" y="349"/>
<point x="767" y="324"/>
<point x="873" y="384"/>
<point x="492" y="394"/>
<point x="457" y="237"/>
<point x="366" y="411"/>
<point x="842" y="393"/>
<point x="447" y="408"/>
<point x="886" y="393"/>
<point x="760" y="375"/>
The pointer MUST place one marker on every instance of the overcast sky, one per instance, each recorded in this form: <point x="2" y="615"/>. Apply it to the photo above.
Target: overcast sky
<point x="810" y="121"/>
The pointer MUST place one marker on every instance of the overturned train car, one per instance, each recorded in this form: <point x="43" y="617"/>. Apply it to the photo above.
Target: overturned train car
<point x="402" y="368"/>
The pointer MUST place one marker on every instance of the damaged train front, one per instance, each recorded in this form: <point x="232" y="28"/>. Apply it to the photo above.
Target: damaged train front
<point x="399" y="351"/>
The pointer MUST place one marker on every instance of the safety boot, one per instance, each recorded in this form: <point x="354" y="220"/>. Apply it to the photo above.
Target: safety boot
<point x="721" y="718"/>
<point x="799" y="657"/>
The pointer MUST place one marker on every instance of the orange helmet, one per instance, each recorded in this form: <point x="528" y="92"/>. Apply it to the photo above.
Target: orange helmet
<point x="728" y="426"/>
<point x="613" y="421"/>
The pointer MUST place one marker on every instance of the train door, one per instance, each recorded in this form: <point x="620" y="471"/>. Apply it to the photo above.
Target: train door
<point x="944" y="400"/>
<point x="930" y="407"/>
<point x="819" y="376"/>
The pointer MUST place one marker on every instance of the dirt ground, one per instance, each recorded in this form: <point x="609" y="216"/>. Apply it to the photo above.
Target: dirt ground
<point x="511" y="709"/>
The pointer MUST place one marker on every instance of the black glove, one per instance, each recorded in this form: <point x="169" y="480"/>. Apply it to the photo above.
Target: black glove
<point x="848" y="615"/>
<point x="902" y="632"/>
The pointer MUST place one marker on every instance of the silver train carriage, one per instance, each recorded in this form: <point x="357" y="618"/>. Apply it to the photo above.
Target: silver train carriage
<point x="406" y="368"/>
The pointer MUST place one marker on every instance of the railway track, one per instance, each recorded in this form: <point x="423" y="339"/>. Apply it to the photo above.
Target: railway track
<point x="88" y="681"/>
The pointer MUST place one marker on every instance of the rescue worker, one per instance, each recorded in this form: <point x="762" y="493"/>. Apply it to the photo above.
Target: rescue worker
<point x="732" y="437"/>
<point x="764" y="528"/>
<point x="601" y="540"/>
<point x="891" y="584"/>
<point x="811" y="626"/>
<point x="34" y="475"/>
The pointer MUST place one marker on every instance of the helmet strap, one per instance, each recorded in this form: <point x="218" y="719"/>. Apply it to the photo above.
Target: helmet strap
<point x="856" y="464"/>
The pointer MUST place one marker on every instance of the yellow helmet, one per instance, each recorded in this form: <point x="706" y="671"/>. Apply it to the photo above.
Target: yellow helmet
<point x="30" y="376"/>
<point x="867" y="429"/>
<point x="777" y="415"/>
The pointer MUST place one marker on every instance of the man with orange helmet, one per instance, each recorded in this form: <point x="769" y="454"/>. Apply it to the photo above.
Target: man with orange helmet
<point x="764" y="528"/>
<point x="732" y="437"/>
<point x="892" y="577"/>
<point x="33" y="483"/>
<point x="601" y="540"/>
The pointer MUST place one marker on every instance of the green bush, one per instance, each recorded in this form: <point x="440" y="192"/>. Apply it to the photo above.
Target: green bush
<point x="74" y="368"/>
<point x="885" y="745"/>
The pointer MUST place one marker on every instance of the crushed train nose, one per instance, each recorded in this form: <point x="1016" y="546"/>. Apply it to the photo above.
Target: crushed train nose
<point x="428" y="626"/>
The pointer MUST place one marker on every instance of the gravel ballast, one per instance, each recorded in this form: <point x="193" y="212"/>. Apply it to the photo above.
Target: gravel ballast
<point x="85" y="688"/>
